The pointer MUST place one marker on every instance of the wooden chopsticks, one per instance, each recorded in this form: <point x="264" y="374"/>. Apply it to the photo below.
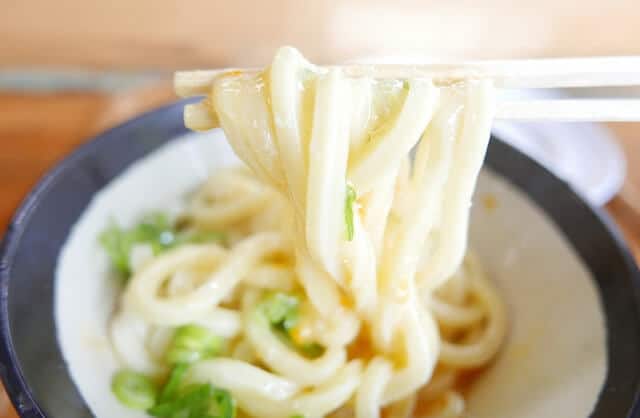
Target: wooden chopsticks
<point x="509" y="74"/>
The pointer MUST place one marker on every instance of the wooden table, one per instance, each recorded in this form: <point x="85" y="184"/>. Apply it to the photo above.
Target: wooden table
<point x="37" y="130"/>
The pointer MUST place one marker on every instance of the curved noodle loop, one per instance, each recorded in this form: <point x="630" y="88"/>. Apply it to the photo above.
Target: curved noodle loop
<point x="343" y="290"/>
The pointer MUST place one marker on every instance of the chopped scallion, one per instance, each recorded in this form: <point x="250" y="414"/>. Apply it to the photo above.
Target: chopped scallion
<point x="197" y="401"/>
<point x="281" y="309"/>
<point x="224" y="405"/>
<point x="134" y="390"/>
<point x="311" y="350"/>
<point x="192" y="343"/>
<point x="174" y="382"/>
<point x="155" y="230"/>
<point x="282" y="312"/>
<point x="176" y="399"/>
<point x="348" y="210"/>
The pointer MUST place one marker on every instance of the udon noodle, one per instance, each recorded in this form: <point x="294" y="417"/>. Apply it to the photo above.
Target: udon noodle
<point x="336" y="219"/>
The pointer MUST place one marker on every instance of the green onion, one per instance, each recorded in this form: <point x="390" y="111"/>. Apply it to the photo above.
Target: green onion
<point x="154" y="230"/>
<point x="174" y="382"/>
<point x="224" y="405"/>
<point x="282" y="312"/>
<point x="297" y="416"/>
<point x="134" y="390"/>
<point x="192" y="402"/>
<point x="176" y="400"/>
<point x="281" y="309"/>
<point x="117" y="246"/>
<point x="192" y="343"/>
<point x="348" y="210"/>
<point x="311" y="350"/>
<point x="197" y="401"/>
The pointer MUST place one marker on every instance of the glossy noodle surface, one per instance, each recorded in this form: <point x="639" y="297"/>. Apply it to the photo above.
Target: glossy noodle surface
<point x="340" y="284"/>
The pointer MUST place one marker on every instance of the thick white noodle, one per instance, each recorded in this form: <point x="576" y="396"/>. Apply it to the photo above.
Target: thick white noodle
<point x="240" y="376"/>
<point x="280" y="358"/>
<point x="144" y="289"/>
<point x="326" y="187"/>
<point x="374" y="380"/>
<point x="467" y="160"/>
<point x="386" y="303"/>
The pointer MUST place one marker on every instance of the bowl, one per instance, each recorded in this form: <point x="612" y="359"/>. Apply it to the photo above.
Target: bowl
<point x="570" y="283"/>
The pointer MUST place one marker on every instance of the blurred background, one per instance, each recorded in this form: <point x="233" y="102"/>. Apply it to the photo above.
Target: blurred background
<point x="72" y="68"/>
<point x="169" y="34"/>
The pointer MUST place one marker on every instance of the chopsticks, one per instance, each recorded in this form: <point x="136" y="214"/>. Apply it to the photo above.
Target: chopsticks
<point x="511" y="74"/>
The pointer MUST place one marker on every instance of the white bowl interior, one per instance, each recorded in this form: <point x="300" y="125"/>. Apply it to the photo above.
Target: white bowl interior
<point x="552" y="364"/>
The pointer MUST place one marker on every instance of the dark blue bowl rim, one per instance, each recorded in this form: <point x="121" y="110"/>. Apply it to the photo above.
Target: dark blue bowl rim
<point x="516" y="168"/>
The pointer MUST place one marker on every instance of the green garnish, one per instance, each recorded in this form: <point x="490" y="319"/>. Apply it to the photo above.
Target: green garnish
<point x="192" y="402"/>
<point x="134" y="390"/>
<point x="297" y="416"/>
<point x="192" y="343"/>
<point x="176" y="400"/>
<point x="282" y="310"/>
<point x="224" y="405"/>
<point x="282" y="313"/>
<point x="154" y="230"/>
<point x="173" y="383"/>
<point x="311" y="350"/>
<point x="348" y="210"/>
<point x="117" y="245"/>
<point x="197" y="401"/>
